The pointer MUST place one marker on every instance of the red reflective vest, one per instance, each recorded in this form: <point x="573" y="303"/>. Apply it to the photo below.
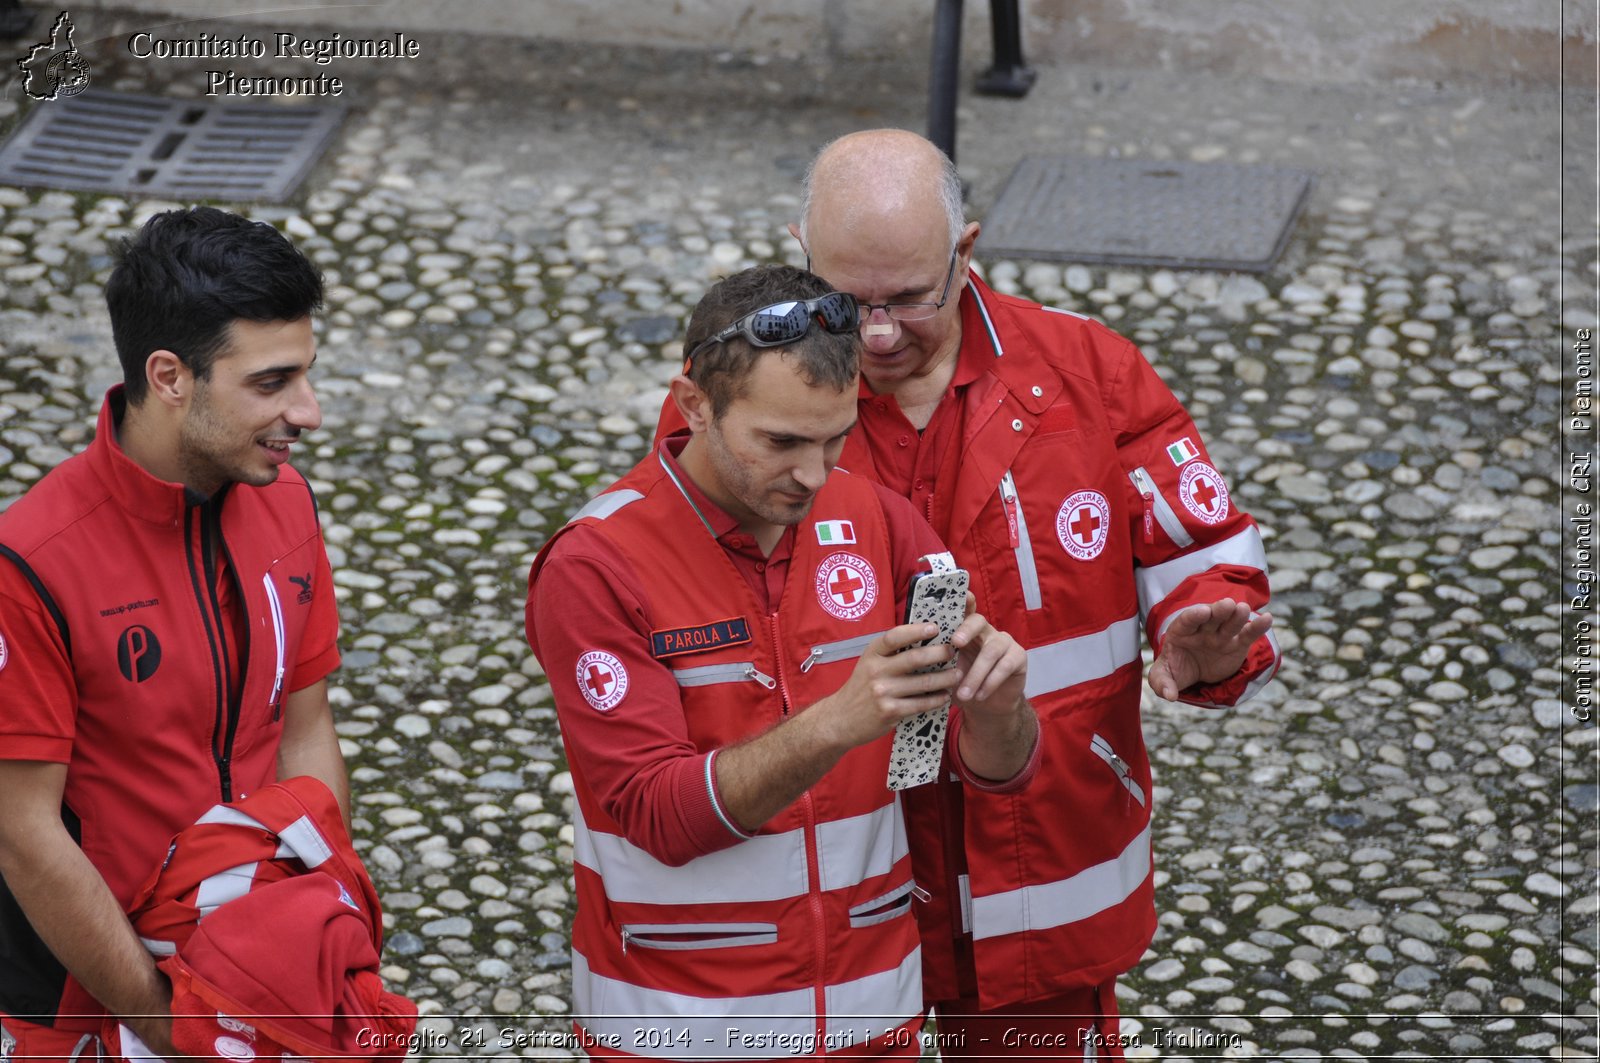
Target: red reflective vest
<point x="1082" y="500"/>
<point x="118" y="559"/>
<point x="801" y="937"/>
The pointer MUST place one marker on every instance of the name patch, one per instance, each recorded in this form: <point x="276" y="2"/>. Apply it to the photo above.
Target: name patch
<point x="672" y="641"/>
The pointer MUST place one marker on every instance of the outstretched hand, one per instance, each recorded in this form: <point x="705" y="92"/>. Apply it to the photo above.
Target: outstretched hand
<point x="1206" y="644"/>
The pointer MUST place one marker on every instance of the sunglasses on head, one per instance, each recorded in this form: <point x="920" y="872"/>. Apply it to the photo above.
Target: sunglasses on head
<point x="787" y="322"/>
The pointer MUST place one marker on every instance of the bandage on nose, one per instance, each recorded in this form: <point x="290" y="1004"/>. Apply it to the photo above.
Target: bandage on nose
<point x="885" y="329"/>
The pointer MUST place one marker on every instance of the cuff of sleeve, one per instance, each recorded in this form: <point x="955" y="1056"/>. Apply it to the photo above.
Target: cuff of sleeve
<point x="1017" y="782"/>
<point x="1259" y="666"/>
<point x="48" y="748"/>
<point x="708" y="824"/>
<point x="318" y="667"/>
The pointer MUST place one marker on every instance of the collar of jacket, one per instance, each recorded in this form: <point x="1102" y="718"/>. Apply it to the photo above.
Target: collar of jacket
<point x="1029" y="378"/>
<point x="147" y="497"/>
<point x="1002" y="408"/>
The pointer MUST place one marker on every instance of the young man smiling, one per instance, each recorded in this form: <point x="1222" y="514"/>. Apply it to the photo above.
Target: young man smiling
<point x="722" y="633"/>
<point x="167" y="620"/>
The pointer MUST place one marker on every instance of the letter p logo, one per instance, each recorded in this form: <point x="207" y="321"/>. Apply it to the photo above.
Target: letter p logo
<point x="138" y="653"/>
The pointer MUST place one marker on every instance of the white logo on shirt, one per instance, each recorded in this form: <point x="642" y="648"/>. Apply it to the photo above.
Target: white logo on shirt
<point x="602" y="680"/>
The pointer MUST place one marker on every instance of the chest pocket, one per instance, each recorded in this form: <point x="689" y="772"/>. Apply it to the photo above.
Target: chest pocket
<point x="290" y="589"/>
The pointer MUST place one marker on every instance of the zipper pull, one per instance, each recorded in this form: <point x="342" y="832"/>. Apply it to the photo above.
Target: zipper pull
<point x="920" y="894"/>
<point x="625" y="937"/>
<point x="806" y="665"/>
<point x="752" y="672"/>
<point x="1008" y="498"/>
<point x="1149" y="517"/>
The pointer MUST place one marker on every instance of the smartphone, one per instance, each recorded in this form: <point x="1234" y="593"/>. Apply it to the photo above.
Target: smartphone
<point x="935" y="598"/>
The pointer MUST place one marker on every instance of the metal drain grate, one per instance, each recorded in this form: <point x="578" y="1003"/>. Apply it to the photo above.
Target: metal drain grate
<point x="1185" y="215"/>
<point x="183" y="149"/>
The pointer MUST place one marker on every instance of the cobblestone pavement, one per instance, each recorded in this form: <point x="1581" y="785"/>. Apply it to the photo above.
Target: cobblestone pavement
<point x="1389" y="853"/>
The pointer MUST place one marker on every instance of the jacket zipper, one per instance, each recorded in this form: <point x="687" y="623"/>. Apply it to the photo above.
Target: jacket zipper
<point x="733" y="935"/>
<point x="1158" y="511"/>
<point x="218" y="754"/>
<point x="277" y="638"/>
<point x="1021" y="544"/>
<point x="732" y="672"/>
<point x="234" y="703"/>
<point x="813" y="857"/>
<point x="829" y="652"/>
<point x="1103" y="750"/>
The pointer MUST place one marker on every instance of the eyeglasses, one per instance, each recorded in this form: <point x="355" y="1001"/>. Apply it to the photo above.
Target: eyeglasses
<point x="910" y="311"/>
<point x="781" y="323"/>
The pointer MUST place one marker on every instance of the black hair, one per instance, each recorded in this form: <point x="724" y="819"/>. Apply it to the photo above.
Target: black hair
<point x="182" y="281"/>
<point x="721" y="369"/>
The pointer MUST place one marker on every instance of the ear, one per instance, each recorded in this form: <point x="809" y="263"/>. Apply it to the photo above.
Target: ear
<point x="693" y="403"/>
<point x="794" y="231"/>
<point x="168" y="379"/>
<point x="964" y="245"/>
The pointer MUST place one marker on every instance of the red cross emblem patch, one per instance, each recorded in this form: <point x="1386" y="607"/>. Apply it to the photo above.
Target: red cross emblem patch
<point x="1083" y="524"/>
<point x="1203" y="492"/>
<point x="5" y="654"/>
<point x="847" y="588"/>
<point x="602" y="680"/>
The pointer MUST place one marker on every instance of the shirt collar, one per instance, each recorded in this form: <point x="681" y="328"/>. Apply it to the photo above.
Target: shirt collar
<point x="135" y="490"/>
<point x="724" y="528"/>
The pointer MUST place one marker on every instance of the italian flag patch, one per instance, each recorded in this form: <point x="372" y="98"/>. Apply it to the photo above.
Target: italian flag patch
<point x="1182" y="451"/>
<point x="835" y="532"/>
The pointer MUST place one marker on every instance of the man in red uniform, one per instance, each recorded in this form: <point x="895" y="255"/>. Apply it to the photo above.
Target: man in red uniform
<point x="1065" y="476"/>
<point x="722" y="633"/>
<point x="167" y="621"/>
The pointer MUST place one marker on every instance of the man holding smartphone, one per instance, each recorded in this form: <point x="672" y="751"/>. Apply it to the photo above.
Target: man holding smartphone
<point x="722" y="633"/>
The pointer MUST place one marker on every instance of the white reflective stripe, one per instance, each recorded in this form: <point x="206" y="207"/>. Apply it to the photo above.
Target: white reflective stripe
<point x="1067" y="900"/>
<point x="134" y="1050"/>
<point x="603" y="505"/>
<point x="223" y="887"/>
<point x="303" y="841"/>
<point x="1157" y="581"/>
<point x="869" y="1007"/>
<point x="1067" y="663"/>
<point x="611" y="1011"/>
<point x="768" y="867"/>
<point x="232" y="817"/>
<point x="964" y="885"/>
<point x="850" y="851"/>
<point x="1069" y="313"/>
<point x="157" y="947"/>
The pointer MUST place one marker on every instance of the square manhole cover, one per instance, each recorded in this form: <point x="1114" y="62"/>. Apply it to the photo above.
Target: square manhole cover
<point x="182" y="149"/>
<point x="1185" y="215"/>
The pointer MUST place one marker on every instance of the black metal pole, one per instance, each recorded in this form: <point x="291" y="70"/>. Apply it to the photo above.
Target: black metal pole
<point x="1010" y="75"/>
<point x="944" y="77"/>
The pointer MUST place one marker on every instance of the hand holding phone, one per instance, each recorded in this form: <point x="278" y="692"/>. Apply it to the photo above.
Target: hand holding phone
<point x="939" y="598"/>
